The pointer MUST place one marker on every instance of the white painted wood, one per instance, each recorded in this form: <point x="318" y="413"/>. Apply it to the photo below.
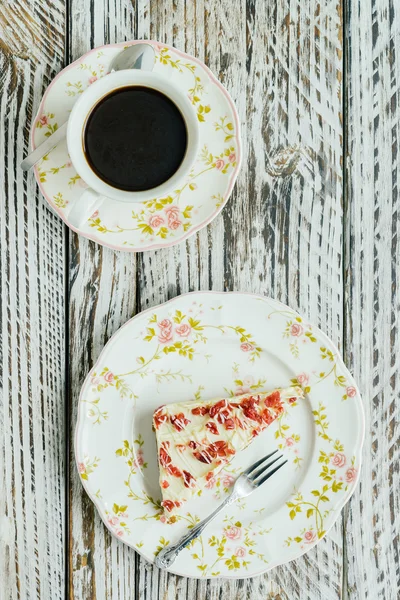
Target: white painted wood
<point x="371" y="341"/>
<point x="32" y="239"/>
<point x="102" y="298"/>
<point x="242" y="249"/>
<point x="280" y="235"/>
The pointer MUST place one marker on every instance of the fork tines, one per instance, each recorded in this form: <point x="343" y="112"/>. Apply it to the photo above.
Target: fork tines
<point x="258" y="473"/>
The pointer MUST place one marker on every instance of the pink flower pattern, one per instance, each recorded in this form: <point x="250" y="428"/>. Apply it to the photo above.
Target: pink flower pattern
<point x="174" y="224"/>
<point x="296" y="329"/>
<point x="173" y="214"/>
<point x="303" y="378"/>
<point x="165" y="324"/>
<point x="245" y="388"/>
<point x="228" y="481"/>
<point x="183" y="330"/>
<point x="351" y="391"/>
<point x="139" y="460"/>
<point x="156" y="221"/>
<point x="165" y="336"/>
<point x="109" y="377"/>
<point x="241" y="389"/>
<point x="43" y="120"/>
<point x="172" y="211"/>
<point x="211" y="483"/>
<point x="309" y="537"/>
<point x="338" y="460"/>
<point x="246" y="347"/>
<point x="351" y="474"/>
<point x="233" y="532"/>
<point x="116" y="522"/>
<point x="219" y="164"/>
<point x="240" y="552"/>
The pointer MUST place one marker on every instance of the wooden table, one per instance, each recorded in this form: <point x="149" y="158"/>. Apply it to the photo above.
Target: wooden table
<point x="314" y="221"/>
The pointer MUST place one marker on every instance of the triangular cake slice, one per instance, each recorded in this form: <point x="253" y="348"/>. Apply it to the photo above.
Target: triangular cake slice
<point x="197" y="439"/>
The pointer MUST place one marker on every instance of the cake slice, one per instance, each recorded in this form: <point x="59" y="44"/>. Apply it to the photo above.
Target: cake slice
<point x="197" y="439"/>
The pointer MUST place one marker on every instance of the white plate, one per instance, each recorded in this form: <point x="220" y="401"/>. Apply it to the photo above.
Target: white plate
<point x="222" y="344"/>
<point x="163" y="221"/>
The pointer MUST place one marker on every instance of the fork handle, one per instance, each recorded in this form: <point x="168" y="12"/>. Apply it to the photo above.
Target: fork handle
<point x="167" y="556"/>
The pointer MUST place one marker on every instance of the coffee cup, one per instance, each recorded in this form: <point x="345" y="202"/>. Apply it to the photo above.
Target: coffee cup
<point x="144" y="157"/>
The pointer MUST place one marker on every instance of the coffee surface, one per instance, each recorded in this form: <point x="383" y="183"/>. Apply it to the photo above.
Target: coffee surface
<point x="135" y="138"/>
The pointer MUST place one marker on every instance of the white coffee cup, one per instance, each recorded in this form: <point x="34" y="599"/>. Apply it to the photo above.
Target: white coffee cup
<point x="99" y="191"/>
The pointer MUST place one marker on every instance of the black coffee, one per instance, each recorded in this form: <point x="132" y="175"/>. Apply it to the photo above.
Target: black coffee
<point x="135" y="138"/>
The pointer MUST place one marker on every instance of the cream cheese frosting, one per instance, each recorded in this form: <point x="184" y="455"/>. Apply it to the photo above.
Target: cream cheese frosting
<point x="197" y="439"/>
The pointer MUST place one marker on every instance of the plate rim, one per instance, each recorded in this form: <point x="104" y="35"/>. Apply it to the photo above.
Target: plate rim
<point x="358" y="451"/>
<point x="233" y="176"/>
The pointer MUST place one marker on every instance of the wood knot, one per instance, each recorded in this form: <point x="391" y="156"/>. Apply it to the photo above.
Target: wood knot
<point x="283" y="162"/>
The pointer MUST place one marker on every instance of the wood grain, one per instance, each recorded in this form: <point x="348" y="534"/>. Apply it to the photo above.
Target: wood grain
<point x="285" y="232"/>
<point x="293" y="152"/>
<point x="280" y="233"/>
<point x="371" y="340"/>
<point x="102" y="297"/>
<point x="32" y="273"/>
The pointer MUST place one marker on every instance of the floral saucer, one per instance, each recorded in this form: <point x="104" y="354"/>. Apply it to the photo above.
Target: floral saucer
<point x="159" y="222"/>
<point x="202" y="346"/>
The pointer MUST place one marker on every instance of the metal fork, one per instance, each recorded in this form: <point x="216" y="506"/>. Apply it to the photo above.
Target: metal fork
<point x="245" y="484"/>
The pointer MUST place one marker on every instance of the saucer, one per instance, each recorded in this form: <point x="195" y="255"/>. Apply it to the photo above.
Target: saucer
<point x="159" y="222"/>
<point x="221" y="345"/>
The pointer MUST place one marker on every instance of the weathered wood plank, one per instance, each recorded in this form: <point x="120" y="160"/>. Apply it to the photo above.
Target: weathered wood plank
<point x="286" y="83"/>
<point x="102" y="298"/>
<point x="282" y="64"/>
<point x="280" y="233"/>
<point x="372" y="522"/>
<point x="32" y="425"/>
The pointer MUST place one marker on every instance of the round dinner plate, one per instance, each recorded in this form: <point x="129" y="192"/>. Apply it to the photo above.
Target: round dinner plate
<point x="205" y="345"/>
<point x="159" y="222"/>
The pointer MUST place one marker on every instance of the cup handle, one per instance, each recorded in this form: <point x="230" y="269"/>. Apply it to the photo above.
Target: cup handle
<point x="82" y="209"/>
